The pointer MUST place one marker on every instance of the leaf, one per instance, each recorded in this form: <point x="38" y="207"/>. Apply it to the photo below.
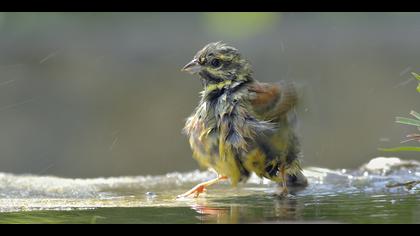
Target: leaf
<point x="413" y="135"/>
<point x="418" y="88"/>
<point x="415" y="114"/>
<point x="416" y="76"/>
<point x="407" y="121"/>
<point x="400" y="149"/>
<point x="411" y="139"/>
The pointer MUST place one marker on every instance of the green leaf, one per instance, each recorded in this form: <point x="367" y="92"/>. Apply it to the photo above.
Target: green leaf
<point x="416" y="76"/>
<point x="415" y="114"/>
<point x="401" y="149"/>
<point x="407" y="121"/>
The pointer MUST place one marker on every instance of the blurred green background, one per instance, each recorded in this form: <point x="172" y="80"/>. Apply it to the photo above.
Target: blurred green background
<point x="102" y="94"/>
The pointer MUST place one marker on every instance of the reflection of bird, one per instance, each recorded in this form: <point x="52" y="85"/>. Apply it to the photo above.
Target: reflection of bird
<point x="241" y="125"/>
<point x="241" y="209"/>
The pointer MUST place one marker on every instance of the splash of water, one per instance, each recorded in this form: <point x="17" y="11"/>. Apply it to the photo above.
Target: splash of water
<point x="32" y="192"/>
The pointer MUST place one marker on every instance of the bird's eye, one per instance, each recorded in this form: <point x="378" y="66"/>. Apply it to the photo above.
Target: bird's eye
<point x="215" y="63"/>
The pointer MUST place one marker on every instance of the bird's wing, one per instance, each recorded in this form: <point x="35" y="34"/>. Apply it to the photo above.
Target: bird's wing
<point x="272" y="101"/>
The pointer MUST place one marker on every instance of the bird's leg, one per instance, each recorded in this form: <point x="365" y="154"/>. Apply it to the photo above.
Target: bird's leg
<point x="284" y="191"/>
<point x="200" y="188"/>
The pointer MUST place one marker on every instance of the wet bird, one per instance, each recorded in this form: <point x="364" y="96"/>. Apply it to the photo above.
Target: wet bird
<point x="242" y="126"/>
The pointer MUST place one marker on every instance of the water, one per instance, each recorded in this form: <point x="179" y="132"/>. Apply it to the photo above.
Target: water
<point x="333" y="196"/>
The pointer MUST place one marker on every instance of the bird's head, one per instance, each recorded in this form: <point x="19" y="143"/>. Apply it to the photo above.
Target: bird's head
<point x="218" y="65"/>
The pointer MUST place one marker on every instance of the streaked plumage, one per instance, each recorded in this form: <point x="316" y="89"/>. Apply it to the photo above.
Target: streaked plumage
<point x="241" y="125"/>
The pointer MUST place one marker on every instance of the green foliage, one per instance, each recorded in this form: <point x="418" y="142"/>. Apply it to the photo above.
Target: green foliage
<point x="400" y="149"/>
<point x="415" y="114"/>
<point x="408" y="121"/>
<point x="418" y="78"/>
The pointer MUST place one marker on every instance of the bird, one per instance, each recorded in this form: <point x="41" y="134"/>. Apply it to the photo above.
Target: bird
<point x="242" y="126"/>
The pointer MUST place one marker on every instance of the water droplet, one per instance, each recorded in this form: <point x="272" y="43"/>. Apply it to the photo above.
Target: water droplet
<point x="151" y="194"/>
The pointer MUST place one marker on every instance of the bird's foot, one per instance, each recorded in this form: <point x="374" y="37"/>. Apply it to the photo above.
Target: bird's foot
<point x="284" y="192"/>
<point x="196" y="191"/>
<point x="201" y="188"/>
<point x="284" y="195"/>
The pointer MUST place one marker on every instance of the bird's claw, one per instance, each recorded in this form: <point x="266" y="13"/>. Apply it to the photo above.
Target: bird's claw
<point x="201" y="188"/>
<point x="196" y="191"/>
<point x="284" y="192"/>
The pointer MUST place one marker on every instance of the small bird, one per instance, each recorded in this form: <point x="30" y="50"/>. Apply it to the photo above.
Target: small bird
<point x="242" y="126"/>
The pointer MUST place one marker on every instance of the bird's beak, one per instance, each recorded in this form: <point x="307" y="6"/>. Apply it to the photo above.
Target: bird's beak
<point x="193" y="67"/>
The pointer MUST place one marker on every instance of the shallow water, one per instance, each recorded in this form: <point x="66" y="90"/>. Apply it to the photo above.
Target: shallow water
<point x="333" y="196"/>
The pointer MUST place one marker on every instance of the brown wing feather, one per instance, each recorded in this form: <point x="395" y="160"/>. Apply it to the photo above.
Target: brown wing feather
<point x="272" y="101"/>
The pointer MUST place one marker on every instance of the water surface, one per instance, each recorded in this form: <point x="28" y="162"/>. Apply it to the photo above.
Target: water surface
<point x="333" y="196"/>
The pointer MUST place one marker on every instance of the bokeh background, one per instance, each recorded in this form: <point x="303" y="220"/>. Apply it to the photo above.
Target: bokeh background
<point x="101" y="94"/>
